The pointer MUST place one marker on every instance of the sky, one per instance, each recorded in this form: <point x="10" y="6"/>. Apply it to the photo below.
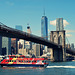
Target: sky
<point x="22" y="12"/>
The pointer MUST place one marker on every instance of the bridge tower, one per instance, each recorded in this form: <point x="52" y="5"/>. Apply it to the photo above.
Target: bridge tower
<point x="58" y="37"/>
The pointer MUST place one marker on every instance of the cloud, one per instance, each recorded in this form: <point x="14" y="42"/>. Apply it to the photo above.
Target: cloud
<point x="68" y="35"/>
<point x="69" y="31"/>
<point x="65" y="23"/>
<point x="9" y="3"/>
<point x="54" y="23"/>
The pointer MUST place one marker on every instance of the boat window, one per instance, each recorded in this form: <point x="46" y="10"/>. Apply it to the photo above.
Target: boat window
<point x="27" y="61"/>
<point x="14" y="60"/>
<point x="19" y="60"/>
<point x="37" y="60"/>
<point x="12" y="57"/>
<point x="7" y="60"/>
<point x="22" y="60"/>
<point x="43" y="61"/>
<point x="20" y="57"/>
<point x="34" y="61"/>
<point x="16" y="56"/>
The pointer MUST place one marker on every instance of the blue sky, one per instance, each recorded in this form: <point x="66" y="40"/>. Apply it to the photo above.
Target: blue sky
<point x="21" y="12"/>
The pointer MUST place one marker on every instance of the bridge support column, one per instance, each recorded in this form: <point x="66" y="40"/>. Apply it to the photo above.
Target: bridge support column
<point x="59" y="38"/>
<point x="64" y="54"/>
<point x="56" y="55"/>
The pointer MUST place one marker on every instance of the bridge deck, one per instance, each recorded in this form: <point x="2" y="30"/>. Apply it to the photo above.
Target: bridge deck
<point x="14" y="33"/>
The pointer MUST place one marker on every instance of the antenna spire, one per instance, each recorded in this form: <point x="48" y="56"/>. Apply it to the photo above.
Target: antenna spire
<point x="28" y="24"/>
<point x="44" y="11"/>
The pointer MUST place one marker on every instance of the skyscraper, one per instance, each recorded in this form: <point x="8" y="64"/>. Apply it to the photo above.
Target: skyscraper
<point x="59" y="24"/>
<point x="44" y="27"/>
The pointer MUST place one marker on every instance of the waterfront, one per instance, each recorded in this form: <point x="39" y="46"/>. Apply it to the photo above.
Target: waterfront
<point x="54" y="68"/>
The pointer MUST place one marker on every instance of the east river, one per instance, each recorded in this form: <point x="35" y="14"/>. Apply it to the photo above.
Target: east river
<point x="54" y="68"/>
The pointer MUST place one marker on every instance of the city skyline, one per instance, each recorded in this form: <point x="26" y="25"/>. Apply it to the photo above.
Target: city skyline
<point x="21" y="12"/>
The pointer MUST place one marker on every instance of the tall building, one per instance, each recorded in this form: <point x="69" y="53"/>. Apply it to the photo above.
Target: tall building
<point x="59" y="24"/>
<point x="44" y="27"/>
<point x="72" y="46"/>
<point x="36" y="49"/>
<point x="6" y="46"/>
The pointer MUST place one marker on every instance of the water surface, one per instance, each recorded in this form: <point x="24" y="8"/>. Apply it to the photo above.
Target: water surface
<point x="54" y="68"/>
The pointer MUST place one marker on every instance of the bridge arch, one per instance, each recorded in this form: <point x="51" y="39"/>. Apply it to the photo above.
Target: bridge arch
<point x="60" y="40"/>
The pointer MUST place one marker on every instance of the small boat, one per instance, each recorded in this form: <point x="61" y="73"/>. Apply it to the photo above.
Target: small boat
<point x="22" y="61"/>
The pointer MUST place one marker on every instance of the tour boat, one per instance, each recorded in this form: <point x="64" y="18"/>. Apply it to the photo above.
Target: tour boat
<point x="22" y="61"/>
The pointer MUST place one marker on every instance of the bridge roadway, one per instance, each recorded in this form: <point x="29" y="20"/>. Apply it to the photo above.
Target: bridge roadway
<point x="14" y="33"/>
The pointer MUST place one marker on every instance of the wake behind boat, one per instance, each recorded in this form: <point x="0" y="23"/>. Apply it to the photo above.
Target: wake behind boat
<point x="22" y="61"/>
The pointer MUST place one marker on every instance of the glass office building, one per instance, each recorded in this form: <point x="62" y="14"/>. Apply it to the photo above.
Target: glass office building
<point x="59" y="24"/>
<point x="44" y="27"/>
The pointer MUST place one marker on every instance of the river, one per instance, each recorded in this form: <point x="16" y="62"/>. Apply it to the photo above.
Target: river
<point x="54" y="68"/>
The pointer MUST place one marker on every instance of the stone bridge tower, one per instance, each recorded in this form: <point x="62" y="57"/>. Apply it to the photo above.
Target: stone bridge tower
<point x="59" y="38"/>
